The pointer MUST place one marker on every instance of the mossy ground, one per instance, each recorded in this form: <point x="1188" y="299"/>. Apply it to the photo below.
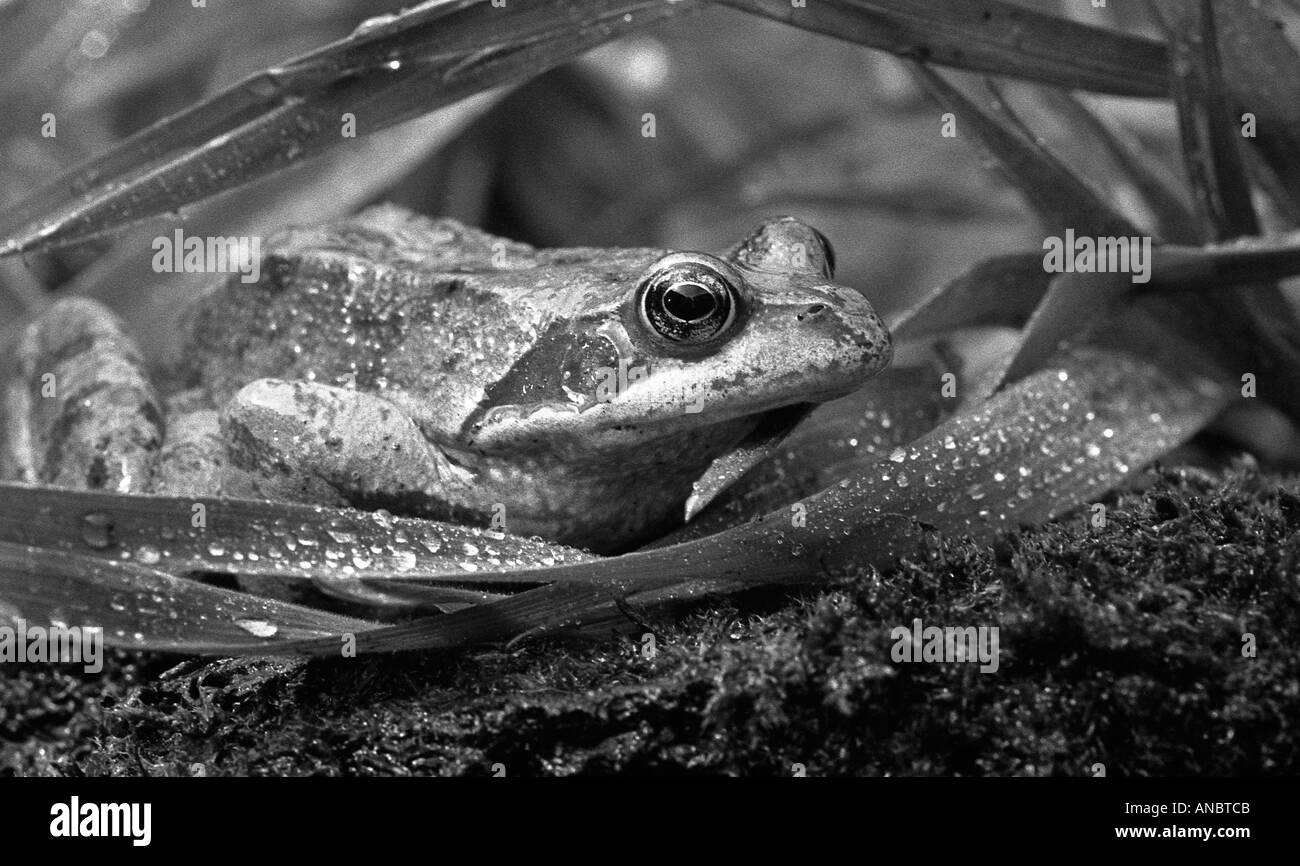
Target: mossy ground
<point x="1120" y="645"/>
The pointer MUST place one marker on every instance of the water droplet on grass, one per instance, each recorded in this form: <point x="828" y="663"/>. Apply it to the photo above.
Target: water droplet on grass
<point x="97" y="531"/>
<point x="258" y="627"/>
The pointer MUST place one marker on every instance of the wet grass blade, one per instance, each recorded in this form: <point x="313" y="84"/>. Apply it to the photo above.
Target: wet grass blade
<point x="143" y="608"/>
<point x="988" y="36"/>
<point x="273" y="539"/>
<point x="1074" y="306"/>
<point x="432" y="55"/>
<point x="899" y="406"/>
<point x="1050" y="443"/>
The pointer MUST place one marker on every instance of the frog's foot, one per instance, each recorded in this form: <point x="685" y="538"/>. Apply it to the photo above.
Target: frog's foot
<point x="80" y="410"/>
<point x="307" y="442"/>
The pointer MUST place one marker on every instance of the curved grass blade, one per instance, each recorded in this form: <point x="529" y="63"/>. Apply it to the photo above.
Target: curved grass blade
<point x="260" y="538"/>
<point x="747" y="454"/>
<point x="1074" y="306"/>
<point x="988" y="36"/>
<point x="1048" y="444"/>
<point x="425" y="58"/>
<point x="841" y="437"/>
<point x="143" y="608"/>
<point x="999" y="291"/>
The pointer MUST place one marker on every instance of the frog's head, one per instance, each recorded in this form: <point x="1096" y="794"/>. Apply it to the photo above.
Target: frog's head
<point x="691" y="350"/>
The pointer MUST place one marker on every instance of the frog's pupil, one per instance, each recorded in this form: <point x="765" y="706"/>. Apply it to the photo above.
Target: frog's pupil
<point x="689" y="302"/>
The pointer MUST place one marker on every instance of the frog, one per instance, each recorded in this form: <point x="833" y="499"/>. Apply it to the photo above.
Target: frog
<point x="391" y="360"/>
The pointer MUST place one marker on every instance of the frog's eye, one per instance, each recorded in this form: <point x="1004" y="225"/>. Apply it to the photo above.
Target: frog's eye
<point x="689" y="299"/>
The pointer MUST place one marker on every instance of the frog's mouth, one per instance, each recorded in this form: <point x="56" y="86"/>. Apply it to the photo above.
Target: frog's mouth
<point x="772" y="428"/>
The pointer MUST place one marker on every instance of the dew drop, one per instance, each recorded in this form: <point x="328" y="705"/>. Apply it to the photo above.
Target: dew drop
<point x="258" y="627"/>
<point x="97" y="530"/>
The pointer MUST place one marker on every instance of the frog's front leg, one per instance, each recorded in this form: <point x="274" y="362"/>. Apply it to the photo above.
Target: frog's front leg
<point x="79" y="409"/>
<point x="303" y="441"/>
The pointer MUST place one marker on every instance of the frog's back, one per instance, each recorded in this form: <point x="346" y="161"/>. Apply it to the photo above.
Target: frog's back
<point x="399" y="304"/>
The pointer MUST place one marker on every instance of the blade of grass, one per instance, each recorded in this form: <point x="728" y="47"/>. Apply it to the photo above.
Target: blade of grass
<point x="1150" y="177"/>
<point x="1259" y="66"/>
<point x="142" y="608"/>
<point x="1244" y="261"/>
<point x="274" y="539"/>
<point x="986" y="36"/>
<point x="427" y="57"/>
<point x="1254" y="330"/>
<point x="1210" y="139"/>
<point x="1059" y="197"/>
<point x="1003" y="290"/>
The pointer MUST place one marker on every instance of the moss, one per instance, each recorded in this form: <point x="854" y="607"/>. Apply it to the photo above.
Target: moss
<point x="1120" y="645"/>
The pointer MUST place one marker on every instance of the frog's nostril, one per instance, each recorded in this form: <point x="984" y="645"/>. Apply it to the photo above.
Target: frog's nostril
<point x="814" y="310"/>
